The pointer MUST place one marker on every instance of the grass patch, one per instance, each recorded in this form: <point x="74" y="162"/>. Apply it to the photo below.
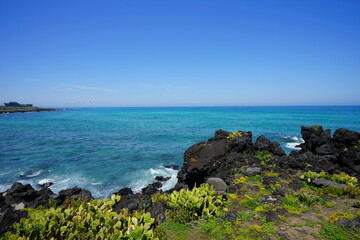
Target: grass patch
<point x="333" y="232"/>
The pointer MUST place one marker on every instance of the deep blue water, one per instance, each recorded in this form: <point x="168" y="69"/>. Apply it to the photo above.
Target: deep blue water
<point x="105" y="149"/>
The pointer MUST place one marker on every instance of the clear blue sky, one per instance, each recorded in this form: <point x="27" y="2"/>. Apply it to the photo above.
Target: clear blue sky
<point x="180" y="53"/>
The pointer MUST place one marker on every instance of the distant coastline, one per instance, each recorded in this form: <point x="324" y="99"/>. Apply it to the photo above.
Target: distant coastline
<point x="23" y="109"/>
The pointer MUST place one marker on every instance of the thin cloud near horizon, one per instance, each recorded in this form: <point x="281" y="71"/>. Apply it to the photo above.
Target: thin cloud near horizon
<point x="71" y="87"/>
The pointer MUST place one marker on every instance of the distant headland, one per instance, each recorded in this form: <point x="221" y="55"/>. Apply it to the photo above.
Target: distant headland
<point x="15" y="107"/>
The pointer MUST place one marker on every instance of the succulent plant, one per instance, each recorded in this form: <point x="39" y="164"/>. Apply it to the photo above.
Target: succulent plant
<point x="91" y="220"/>
<point x="201" y="201"/>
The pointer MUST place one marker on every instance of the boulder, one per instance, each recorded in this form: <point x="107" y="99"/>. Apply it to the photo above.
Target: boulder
<point x="314" y="137"/>
<point x="124" y="192"/>
<point x="281" y="191"/>
<point x="251" y="171"/>
<point x="219" y="185"/>
<point x="241" y="143"/>
<point x="262" y="143"/>
<point x="73" y="192"/>
<point x="322" y="182"/>
<point x="130" y="202"/>
<point x="151" y="188"/>
<point x="161" y="178"/>
<point x="8" y="217"/>
<point x="19" y="188"/>
<point x="158" y="211"/>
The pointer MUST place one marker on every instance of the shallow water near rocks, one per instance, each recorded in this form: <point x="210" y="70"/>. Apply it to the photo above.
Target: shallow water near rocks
<point x="105" y="149"/>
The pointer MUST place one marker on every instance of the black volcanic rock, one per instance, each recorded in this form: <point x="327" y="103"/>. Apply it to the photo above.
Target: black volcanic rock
<point x="162" y="178"/>
<point x="220" y="154"/>
<point x="73" y="192"/>
<point x="314" y="137"/>
<point x="124" y="192"/>
<point x="262" y="143"/>
<point x="8" y="217"/>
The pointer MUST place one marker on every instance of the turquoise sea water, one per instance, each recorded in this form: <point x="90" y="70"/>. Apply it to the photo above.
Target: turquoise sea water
<point x="105" y="149"/>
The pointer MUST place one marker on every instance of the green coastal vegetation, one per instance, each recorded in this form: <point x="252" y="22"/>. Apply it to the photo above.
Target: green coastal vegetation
<point x="267" y="195"/>
<point x="201" y="213"/>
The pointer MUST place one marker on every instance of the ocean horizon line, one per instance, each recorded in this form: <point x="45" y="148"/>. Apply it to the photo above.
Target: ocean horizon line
<point x="200" y="106"/>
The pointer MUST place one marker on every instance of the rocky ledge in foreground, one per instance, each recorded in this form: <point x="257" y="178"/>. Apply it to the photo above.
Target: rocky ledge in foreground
<point x="258" y="192"/>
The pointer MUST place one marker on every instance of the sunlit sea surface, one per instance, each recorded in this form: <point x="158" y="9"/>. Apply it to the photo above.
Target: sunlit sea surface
<point x="105" y="149"/>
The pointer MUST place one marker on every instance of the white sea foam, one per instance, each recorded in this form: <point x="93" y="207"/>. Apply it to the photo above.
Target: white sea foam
<point x="148" y="176"/>
<point x="295" y="141"/>
<point x="45" y="180"/>
<point x="96" y="183"/>
<point x="31" y="175"/>
<point x="292" y="146"/>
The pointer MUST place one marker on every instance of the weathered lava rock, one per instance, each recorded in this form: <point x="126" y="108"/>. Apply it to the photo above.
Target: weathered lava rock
<point x="262" y="143"/>
<point x="73" y="192"/>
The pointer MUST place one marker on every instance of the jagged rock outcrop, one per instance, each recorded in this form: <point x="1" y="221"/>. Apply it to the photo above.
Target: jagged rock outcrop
<point x="227" y="152"/>
<point x="332" y="154"/>
<point x="262" y="143"/>
<point x="73" y="192"/>
<point x="220" y="154"/>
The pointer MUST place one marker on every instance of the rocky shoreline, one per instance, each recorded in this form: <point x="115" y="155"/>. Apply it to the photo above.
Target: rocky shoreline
<point x="5" y="110"/>
<point x="239" y="170"/>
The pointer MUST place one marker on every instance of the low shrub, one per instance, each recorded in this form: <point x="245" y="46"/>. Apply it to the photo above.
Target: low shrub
<point x="91" y="220"/>
<point x="200" y="202"/>
<point x="350" y="191"/>
<point x="308" y="196"/>
<point x="340" y="178"/>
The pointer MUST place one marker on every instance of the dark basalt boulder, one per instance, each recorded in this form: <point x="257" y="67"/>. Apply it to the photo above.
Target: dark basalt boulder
<point x="314" y="137"/>
<point x="25" y="194"/>
<point x="17" y="197"/>
<point x="158" y="211"/>
<point x="162" y="178"/>
<point x="241" y="143"/>
<point x="262" y="143"/>
<point x="73" y="192"/>
<point x="8" y="217"/>
<point x="198" y="158"/>
<point x="151" y="188"/>
<point x="130" y="202"/>
<point x="344" y="138"/>
<point x="338" y="153"/>
<point x="124" y="192"/>
<point x="46" y="185"/>
<point x="133" y="202"/>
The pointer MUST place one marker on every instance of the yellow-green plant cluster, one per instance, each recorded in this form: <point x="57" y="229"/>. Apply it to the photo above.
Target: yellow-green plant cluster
<point x="335" y="217"/>
<point x="264" y="156"/>
<point x="308" y="196"/>
<point x="340" y="178"/>
<point x="201" y="201"/>
<point x="91" y="220"/>
<point x="235" y="134"/>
